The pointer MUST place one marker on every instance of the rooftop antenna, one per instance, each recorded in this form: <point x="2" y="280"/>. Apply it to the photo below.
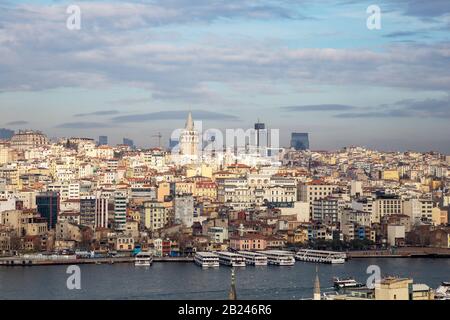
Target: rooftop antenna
<point x="159" y="136"/>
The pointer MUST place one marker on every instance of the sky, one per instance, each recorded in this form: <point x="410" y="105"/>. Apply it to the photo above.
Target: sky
<point x="136" y="68"/>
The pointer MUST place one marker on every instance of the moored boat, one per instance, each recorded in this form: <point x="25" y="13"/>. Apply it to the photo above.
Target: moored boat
<point x="279" y="258"/>
<point x="320" y="256"/>
<point x="143" y="259"/>
<point x="254" y="258"/>
<point x="206" y="259"/>
<point x="443" y="292"/>
<point x="231" y="259"/>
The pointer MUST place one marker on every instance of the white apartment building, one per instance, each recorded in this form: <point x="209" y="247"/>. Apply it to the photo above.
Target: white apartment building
<point x="386" y="205"/>
<point x="312" y="191"/>
<point x="66" y="190"/>
<point x="101" y="211"/>
<point x="328" y="210"/>
<point x="120" y="210"/>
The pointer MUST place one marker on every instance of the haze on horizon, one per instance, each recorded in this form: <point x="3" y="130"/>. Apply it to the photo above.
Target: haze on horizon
<point x="137" y="68"/>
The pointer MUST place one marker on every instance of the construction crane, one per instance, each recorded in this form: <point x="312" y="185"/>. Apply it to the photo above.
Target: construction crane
<point x="159" y="136"/>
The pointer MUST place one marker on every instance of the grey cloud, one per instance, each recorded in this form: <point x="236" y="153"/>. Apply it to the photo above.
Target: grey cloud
<point x="17" y="123"/>
<point x="318" y="108"/>
<point x="429" y="108"/>
<point x="83" y="125"/>
<point x="97" y="113"/>
<point x="426" y="9"/>
<point x="374" y="114"/>
<point x="96" y="57"/>
<point x="174" y="115"/>
<point x="131" y="101"/>
<point x="401" y="34"/>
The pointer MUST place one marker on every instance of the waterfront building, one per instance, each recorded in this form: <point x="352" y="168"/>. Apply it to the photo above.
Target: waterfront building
<point x="248" y="242"/>
<point x="88" y="211"/>
<point x="24" y="222"/>
<point x="101" y="211"/>
<point x="328" y="210"/>
<point x="300" y="198"/>
<point x="386" y="204"/>
<point x="124" y="243"/>
<point x="120" y="210"/>
<point x="48" y="207"/>
<point x="218" y="235"/>
<point x="396" y="235"/>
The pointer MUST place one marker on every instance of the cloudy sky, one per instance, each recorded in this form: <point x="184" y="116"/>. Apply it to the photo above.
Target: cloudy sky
<point x="137" y="67"/>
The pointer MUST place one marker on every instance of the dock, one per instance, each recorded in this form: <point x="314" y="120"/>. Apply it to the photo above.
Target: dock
<point x="402" y="252"/>
<point x="28" y="262"/>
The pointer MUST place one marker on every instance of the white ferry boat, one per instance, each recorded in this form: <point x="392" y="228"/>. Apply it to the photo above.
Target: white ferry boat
<point x="207" y="259"/>
<point x="346" y="283"/>
<point x="443" y="292"/>
<point x="231" y="259"/>
<point x="279" y="258"/>
<point x="319" y="256"/>
<point x="254" y="258"/>
<point x="143" y="259"/>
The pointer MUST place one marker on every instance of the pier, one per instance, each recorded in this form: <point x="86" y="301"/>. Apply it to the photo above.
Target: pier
<point x="28" y="262"/>
<point x="403" y="252"/>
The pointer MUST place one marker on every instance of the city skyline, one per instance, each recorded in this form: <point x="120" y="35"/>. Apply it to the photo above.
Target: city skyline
<point x="137" y="68"/>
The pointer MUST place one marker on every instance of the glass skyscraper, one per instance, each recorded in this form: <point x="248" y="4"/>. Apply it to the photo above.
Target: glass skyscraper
<point x="48" y="207"/>
<point x="300" y="141"/>
<point x="103" y="140"/>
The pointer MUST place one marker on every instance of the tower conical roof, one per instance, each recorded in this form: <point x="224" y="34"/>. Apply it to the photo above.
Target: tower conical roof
<point x="190" y="122"/>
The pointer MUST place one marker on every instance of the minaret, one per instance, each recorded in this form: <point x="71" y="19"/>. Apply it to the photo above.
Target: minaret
<point x="232" y="295"/>
<point x="317" y="286"/>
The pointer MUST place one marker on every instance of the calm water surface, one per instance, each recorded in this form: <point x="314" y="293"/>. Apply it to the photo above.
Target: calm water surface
<point x="186" y="281"/>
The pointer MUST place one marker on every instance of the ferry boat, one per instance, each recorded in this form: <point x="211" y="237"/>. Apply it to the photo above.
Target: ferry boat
<point x="254" y="258"/>
<point x="279" y="258"/>
<point x="443" y="292"/>
<point x="207" y="259"/>
<point x="319" y="256"/>
<point x="231" y="259"/>
<point x="143" y="259"/>
<point x="346" y="283"/>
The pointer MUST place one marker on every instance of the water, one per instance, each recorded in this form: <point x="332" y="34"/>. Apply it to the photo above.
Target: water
<point x="186" y="281"/>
